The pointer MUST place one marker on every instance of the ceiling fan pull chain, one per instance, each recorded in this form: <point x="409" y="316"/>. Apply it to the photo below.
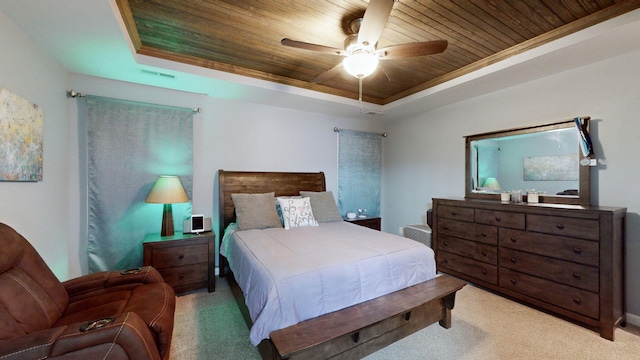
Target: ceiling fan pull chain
<point x="360" y="93"/>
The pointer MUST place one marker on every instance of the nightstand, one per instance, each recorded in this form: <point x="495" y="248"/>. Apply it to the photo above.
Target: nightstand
<point x="185" y="261"/>
<point x="370" y="222"/>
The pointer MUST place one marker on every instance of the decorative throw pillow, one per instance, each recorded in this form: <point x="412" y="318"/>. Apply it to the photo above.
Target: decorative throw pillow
<point x="256" y="211"/>
<point x="297" y="212"/>
<point x="323" y="205"/>
<point x="279" y="210"/>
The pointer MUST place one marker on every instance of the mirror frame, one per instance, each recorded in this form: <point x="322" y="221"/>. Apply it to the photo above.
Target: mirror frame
<point x="584" y="197"/>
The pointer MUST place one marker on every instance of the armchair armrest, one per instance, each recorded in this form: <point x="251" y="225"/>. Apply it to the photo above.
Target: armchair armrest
<point x="79" y="286"/>
<point x="125" y="336"/>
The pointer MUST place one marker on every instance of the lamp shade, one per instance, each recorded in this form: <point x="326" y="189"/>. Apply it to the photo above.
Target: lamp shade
<point x="491" y="184"/>
<point x="168" y="189"/>
<point x="360" y="64"/>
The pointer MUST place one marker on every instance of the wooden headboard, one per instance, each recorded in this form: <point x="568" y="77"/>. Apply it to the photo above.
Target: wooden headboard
<point x="281" y="183"/>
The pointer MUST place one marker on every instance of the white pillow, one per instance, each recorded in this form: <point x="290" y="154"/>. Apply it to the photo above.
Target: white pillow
<point x="296" y="212"/>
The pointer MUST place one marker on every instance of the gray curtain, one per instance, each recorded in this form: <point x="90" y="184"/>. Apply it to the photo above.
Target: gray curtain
<point x="359" y="171"/>
<point x="128" y="145"/>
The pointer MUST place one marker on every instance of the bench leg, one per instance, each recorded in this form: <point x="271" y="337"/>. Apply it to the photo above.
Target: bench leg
<point x="448" y="302"/>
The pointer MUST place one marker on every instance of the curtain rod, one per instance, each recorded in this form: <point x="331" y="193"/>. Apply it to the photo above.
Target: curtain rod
<point x="75" y="94"/>
<point x="336" y="129"/>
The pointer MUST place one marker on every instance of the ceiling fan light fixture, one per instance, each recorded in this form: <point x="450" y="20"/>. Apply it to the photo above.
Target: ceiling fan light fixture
<point x="360" y="64"/>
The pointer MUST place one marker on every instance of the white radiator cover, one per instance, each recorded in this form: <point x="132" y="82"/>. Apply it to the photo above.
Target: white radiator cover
<point x="421" y="233"/>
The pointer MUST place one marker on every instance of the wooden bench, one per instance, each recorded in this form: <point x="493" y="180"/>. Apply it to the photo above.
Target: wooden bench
<point x="362" y="329"/>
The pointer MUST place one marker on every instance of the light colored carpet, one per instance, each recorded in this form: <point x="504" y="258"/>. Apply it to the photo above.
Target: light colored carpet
<point x="484" y="326"/>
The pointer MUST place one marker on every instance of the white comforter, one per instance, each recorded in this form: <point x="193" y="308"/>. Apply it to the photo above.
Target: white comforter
<point x="288" y="276"/>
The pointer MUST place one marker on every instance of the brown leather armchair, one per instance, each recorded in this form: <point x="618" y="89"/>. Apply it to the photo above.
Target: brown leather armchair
<point x="106" y="315"/>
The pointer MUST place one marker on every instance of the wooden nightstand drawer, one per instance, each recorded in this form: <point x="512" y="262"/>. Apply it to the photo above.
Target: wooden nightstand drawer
<point x="185" y="275"/>
<point x="179" y="256"/>
<point x="185" y="261"/>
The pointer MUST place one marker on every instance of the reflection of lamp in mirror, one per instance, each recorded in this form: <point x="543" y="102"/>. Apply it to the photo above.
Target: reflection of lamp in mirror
<point x="491" y="184"/>
<point x="167" y="190"/>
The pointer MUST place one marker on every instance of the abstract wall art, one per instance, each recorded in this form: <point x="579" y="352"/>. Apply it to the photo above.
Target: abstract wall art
<point x="551" y="168"/>
<point x="21" y="130"/>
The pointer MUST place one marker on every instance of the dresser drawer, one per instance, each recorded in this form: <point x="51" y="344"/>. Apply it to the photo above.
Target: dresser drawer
<point x="185" y="275"/>
<point x="570" y="298"/>
<point x="565" y="226"/>
<point x="455" y="212"/>
<point x="470" y="267"/>
<point x="469" y="231"/>
<point x="500" y="218"/>
<point x="565" y="272"/>
<point x="180" y="256"/>
<point x="471" y="249"/>
<point x="560" y="247"/>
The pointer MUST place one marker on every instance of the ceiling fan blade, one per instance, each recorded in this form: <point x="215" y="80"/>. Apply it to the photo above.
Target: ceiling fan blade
<point x="373" y="22"/>
<point x="412" y="49"/>
<point x="312" y="47"/>
<point x="328" y="74"/>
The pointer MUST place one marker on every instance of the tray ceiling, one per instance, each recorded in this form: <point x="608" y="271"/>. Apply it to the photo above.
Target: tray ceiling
<point x="243" y="37"/>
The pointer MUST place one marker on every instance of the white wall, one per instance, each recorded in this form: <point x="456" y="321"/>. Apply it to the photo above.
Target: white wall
<point x="38" y="210"/>
<point x="426" y="152"/>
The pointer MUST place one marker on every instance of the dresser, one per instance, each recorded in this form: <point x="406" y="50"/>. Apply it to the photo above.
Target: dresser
<point x="564" y="259"/>
<point x="185" y="261"/>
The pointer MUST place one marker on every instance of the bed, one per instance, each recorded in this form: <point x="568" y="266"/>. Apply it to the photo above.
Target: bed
<point x="387" y="287"/>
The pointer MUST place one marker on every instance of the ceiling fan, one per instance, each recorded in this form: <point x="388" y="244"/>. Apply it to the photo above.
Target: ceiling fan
<point x="360" y="53"/>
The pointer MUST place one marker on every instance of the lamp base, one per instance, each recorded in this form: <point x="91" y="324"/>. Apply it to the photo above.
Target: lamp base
<point x="167" y="221"/>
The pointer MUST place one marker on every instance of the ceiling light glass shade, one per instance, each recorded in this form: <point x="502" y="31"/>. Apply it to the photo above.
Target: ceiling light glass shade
<point x="167" y="190"/>
<point x="360" y="64"/>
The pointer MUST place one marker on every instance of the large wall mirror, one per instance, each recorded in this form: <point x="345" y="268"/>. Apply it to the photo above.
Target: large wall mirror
<point x="546" y="159"/>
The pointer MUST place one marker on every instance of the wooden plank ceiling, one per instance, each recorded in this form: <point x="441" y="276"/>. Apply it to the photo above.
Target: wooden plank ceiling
<point x="243" y="36"/>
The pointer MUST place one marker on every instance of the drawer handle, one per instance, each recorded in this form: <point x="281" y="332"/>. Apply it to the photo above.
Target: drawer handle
<point x="446" y="261"/>
<point x="454" y="213"/>
<point x="498" y="218"/>
<point x="577" y="301"/>
<point x="513" y="240"/>
<point x="181" y="256"/>
<point x="484" y="234"/>
<point x="513" y="281"/>
<point x="513" y="259"/>
<point x="446" y="227"/>
<point x="446" y="243"/>
<point x="484" y="271"/>
<point x="560" y="226"/>
<point x="577" y="276"/>
<point x="181" y="276"/>
<point x="484" y="252"/>
<point x="577" y="250"/>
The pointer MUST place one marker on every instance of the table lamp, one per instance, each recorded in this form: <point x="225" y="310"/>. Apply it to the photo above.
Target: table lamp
<point x="167" y="190"/>
<point x="491" y="184"/>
